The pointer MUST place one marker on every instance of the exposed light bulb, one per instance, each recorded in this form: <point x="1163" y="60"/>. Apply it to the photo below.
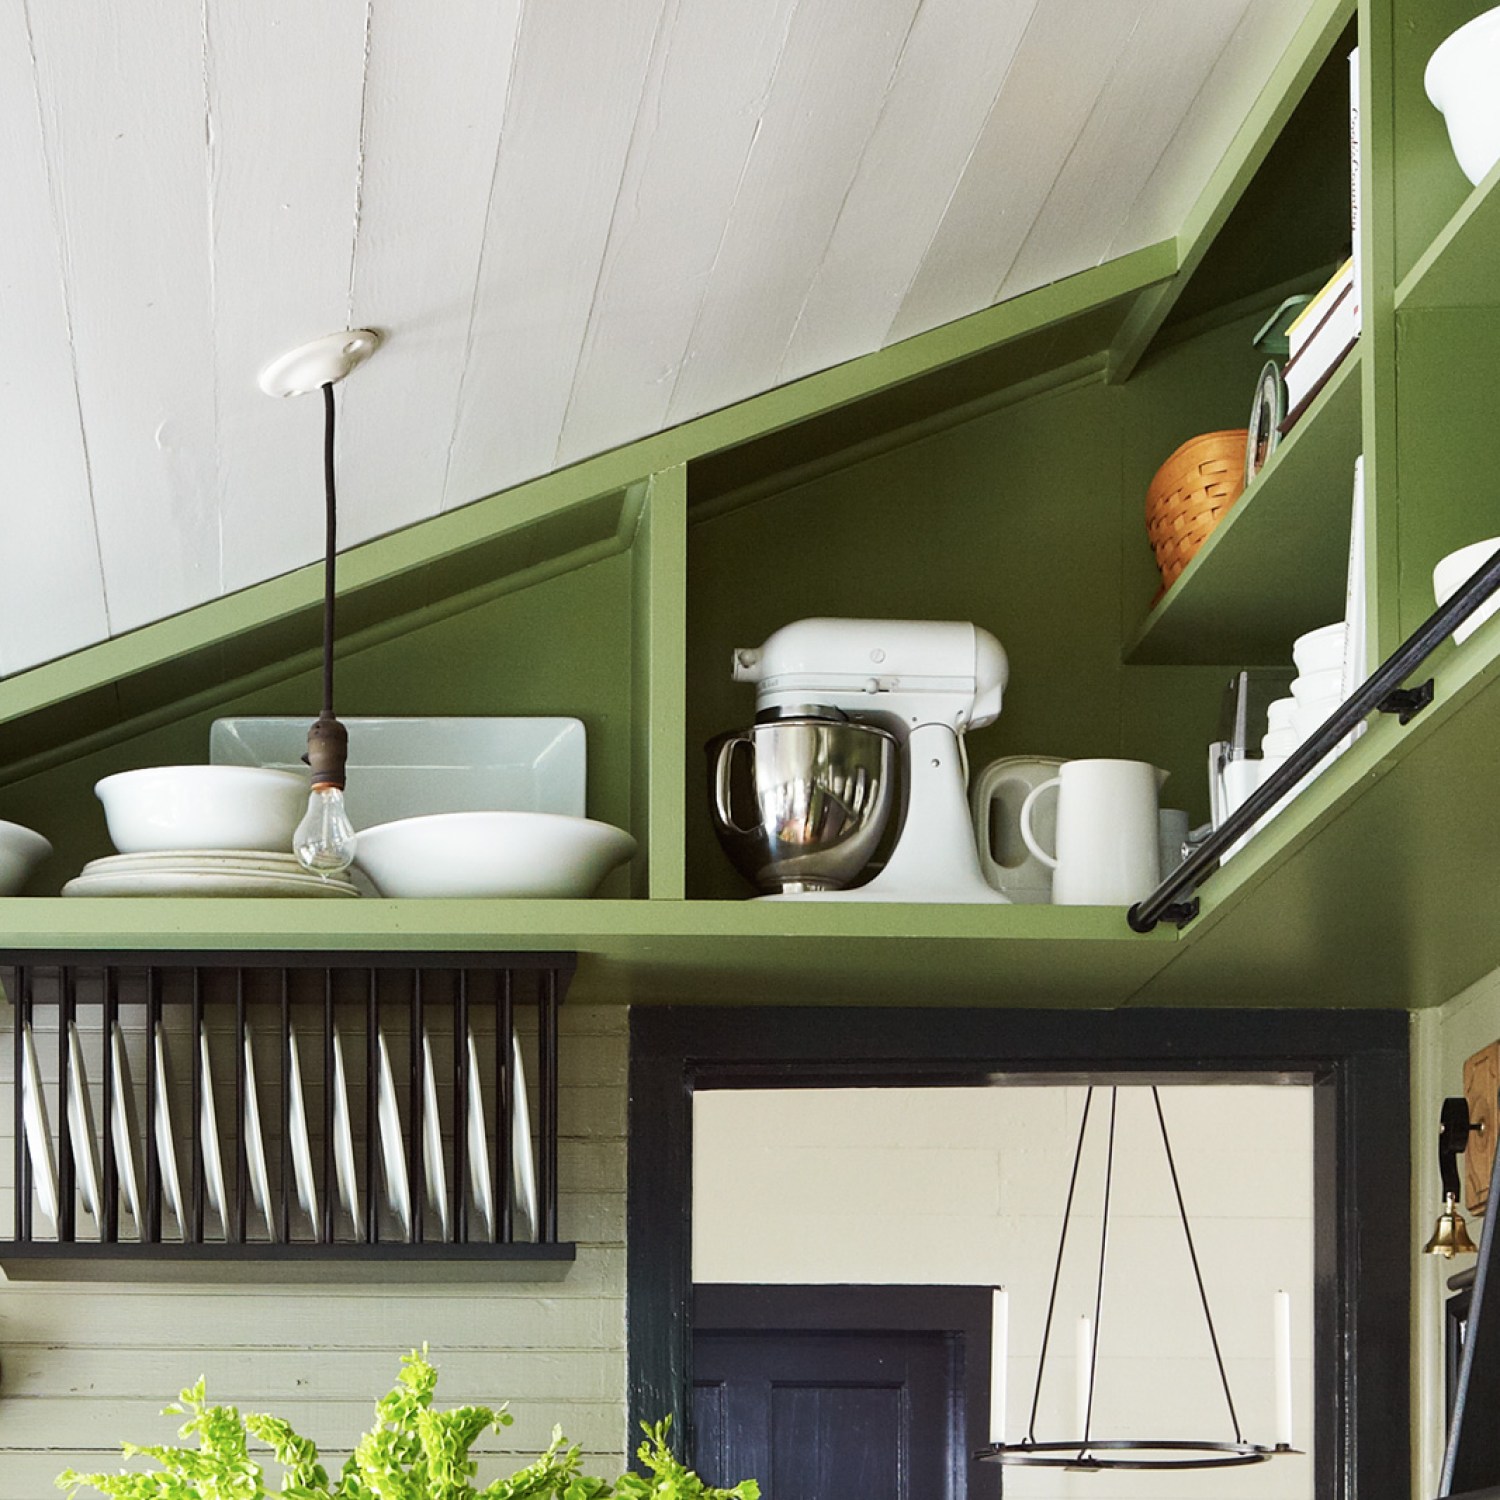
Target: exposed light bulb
<point x="325" y="840"/>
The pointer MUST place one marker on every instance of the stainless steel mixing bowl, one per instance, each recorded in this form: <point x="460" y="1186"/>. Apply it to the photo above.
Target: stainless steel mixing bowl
<point x="814" y="794"/>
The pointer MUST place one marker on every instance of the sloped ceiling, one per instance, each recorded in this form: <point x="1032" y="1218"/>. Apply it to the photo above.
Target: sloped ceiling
<point x="575" y="221"/>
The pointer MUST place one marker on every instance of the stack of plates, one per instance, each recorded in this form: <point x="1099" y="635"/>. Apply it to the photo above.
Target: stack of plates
<point x="204" y="872"/>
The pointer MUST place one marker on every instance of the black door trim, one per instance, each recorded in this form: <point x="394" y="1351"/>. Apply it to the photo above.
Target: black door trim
<point x="1357" y="1061"/>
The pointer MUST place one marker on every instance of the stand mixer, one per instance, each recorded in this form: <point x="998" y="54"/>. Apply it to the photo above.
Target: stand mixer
<point x="924" y="681"/>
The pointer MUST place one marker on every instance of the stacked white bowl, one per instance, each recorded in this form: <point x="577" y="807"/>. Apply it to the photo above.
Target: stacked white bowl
<point x="1316" y="690"/>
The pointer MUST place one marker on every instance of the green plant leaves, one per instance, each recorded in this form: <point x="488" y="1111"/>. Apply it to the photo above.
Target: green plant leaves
<point x="411" y="1452"/>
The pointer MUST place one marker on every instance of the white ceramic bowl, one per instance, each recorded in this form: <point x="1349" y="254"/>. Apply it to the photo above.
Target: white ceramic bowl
<point x="1279" y="713"/>
<point x="1321" y="650"/>
<point x="202" y="807"/>
<point x="1316" y="687"/>
<point x="1278" y="743"/>
<point x="508" y="854"/>
<point x="21" y="851"/>
<point x="1452" y="572"/>
<point x="1461" y="80"/>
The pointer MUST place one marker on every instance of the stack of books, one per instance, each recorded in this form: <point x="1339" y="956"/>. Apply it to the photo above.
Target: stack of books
<point x="1323" y="333"/>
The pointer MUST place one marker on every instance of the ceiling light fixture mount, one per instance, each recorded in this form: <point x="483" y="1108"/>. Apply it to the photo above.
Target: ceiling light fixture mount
<point x="324" y="842"/>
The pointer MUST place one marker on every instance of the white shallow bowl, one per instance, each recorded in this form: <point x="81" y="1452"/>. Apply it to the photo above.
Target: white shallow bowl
<point x="21" y="851"/>
<point x="202" y="807"/>
<point x="1278" y="743"/>
<point x="507" y="854"/>
<point x="1451" y="573"/>
<point x="1461" y="80"/>
<point x="1321" y="650"/>
<point x="1279" y="712"/>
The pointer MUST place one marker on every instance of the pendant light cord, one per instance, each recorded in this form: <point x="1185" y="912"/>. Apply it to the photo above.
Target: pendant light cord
<point x="330" y="548"/>
<point x="1187" y="1234"/>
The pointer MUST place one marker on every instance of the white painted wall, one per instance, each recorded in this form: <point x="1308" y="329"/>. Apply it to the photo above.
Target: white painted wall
<point x="85" y="1366"/>
<point x="966" y="1186"/>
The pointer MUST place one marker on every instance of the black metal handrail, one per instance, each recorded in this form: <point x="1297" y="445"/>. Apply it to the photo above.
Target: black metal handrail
<point x="1382" y="691"/>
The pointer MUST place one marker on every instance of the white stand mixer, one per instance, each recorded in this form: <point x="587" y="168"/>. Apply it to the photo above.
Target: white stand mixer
<point x="927" y="681"/>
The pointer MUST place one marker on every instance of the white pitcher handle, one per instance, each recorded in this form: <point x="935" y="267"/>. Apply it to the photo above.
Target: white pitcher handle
<point x="1027" y="836"/>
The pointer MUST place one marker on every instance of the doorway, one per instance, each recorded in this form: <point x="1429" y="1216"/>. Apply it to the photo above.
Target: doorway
<point x="1354" y="1065"/>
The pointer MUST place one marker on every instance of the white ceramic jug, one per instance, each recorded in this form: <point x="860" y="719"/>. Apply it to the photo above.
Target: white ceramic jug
<point x="997" y="795"/>
<point x="1107" y="831"/>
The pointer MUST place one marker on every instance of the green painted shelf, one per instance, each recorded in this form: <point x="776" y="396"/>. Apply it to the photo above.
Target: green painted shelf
<point x="1458" y="268"/>
<point x="1277" y="564"/>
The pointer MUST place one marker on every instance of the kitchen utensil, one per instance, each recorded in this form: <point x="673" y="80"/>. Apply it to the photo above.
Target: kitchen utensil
<point x="166" y="1140"/>
<point x="996" y="798"/>
<point x="21" y="851"/>
<point x="1450" y="573"/>
<point x="1460" y="81"/>
<point x="1108" y="831"/>
<point x="343" y="1139"/>
<point x="1321" y="650"/>
<point x="925" y="681"/>
<point x="38" y="1130"/>
<point x="82" y="1137"/>
<point x="202" y="807"/>
<point x="208" y="1128"/>
<point x="435" y="1168"/>
<point x="818" y="794"/>
<point x="409" y="767"/>
<point x="124" y="1129"/>
<point x="485" y="854"/>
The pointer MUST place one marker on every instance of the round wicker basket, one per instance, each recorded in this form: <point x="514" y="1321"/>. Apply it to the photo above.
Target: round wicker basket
<point x="1190" y="495"/>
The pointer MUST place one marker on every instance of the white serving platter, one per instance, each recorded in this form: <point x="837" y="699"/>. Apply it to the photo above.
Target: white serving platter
<point x="404" y="768"/>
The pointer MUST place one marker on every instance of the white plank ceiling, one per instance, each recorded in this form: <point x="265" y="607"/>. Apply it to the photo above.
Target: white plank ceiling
<point x="576" y="222"/>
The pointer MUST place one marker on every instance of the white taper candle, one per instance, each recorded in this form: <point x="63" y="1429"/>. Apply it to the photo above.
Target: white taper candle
<point x="1085" y="1369"/>
<point x="1282" y="1322"/>
<point x="999" y="1339"/>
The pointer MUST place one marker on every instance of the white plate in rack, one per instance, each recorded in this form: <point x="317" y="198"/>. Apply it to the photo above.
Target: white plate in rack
<point x="123" y="1125"/>
<point x="255" y="1143"/>
<point x="434" y="1167"/>
<point x="480" y="1180"/>
<point x="166" y="1141"/>
<point x="208" y="1128"/>
<point x="301" y="1143"/>
<point x="81" y="1133"/>
<point x="393" y="1157"/>
<point x="38" y="1130"/>
<point x="527" y="1224"/>
<point x="343" y="1140"/>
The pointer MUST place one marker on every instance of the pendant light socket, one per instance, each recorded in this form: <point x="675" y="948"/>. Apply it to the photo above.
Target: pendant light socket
<point x="327" y="751"/>
<point x="325" y="361"/>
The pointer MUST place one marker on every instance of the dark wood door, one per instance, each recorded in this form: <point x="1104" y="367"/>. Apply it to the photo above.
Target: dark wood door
<point x="843" y="1392"/>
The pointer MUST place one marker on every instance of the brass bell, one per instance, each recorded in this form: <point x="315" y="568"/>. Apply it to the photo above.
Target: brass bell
<point x="1451" y="1237"/>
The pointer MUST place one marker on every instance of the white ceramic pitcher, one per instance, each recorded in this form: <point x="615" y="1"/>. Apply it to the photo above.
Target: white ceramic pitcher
<point x="1107" y="831"/>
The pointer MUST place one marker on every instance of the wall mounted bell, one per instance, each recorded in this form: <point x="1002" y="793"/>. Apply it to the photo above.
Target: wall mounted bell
<point x="1451" y="1237"/>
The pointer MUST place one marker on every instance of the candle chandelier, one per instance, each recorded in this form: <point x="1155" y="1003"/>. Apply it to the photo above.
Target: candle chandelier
<point x="1087" y="1451"/>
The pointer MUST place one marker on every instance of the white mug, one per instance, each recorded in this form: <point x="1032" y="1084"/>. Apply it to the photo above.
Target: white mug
<point x="1108" y="831"/>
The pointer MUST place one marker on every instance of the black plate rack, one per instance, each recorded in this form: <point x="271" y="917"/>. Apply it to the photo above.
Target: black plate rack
<point x="319" y="1110"/>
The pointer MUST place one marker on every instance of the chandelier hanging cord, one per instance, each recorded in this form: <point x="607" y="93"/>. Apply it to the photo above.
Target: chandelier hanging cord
<point x="1109" y="1176"/>
<point x="1062" y="1242"/>
<point x="1187" y="1234"/>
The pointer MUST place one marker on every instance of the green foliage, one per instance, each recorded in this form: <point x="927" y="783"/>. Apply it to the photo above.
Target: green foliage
<point x="410" y="1453"/>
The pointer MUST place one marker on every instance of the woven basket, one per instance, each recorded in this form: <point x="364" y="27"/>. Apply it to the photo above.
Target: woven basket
<point x="1191" y="494"/>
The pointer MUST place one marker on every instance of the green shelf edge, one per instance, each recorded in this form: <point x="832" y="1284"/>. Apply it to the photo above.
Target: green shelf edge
<point x="1298" y="505"/>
